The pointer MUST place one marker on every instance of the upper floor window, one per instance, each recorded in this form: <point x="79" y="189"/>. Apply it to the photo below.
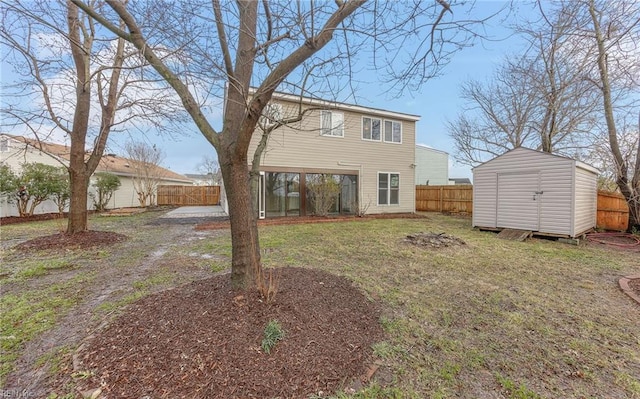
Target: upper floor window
<point x="331" y="123"/>
<point x="271" y="114"/>
<point x="4" y="145"/>
<point x="388" y="188"/>
<point x="371" y="128"/>
<point x="392" y="132"/>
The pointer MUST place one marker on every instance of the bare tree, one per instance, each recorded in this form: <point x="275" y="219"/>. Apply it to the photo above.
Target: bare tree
<point x="272" y="45"/>
<point x="615" y="29"/>
<point x="538" y="99"/>
<point x="75" y="78"/>
<point x="144" y="160"/>
<point x="209" y="166"/>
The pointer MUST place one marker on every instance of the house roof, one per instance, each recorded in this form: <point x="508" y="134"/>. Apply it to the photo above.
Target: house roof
<point x="343" y="106"/>
<point x="460" y="180"/>
<point x="427" y="148"/>
<point x="108" y="163"/>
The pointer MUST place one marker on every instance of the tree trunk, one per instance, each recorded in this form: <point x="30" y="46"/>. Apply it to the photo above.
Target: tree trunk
<point x="245" y="264"/>
<point x="630" y="191"/>
<point x="77" y="221"/>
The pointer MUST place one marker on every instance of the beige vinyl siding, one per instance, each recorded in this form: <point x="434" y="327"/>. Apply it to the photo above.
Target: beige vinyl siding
<point x="566" y="206"/>
<point x="586" y="201"/>
<point x="301" y="146"/>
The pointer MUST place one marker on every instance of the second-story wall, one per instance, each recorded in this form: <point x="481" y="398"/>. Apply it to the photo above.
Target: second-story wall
<point x="303" y="146"/>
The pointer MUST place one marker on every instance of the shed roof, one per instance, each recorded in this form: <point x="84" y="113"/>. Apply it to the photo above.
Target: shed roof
<point x="577" y="163"/>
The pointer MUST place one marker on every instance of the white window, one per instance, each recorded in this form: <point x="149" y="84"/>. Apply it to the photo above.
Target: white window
<point x="371" y="129"/>
<point x="388" y="188"/>
<point x="392" y="132"/>
<point x="271" y="114"/>
<point x="331" y="124"/>
<point x="4" y="145"/>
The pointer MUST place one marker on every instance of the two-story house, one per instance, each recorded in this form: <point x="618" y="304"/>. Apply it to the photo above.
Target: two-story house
<point x="369" y="152"/>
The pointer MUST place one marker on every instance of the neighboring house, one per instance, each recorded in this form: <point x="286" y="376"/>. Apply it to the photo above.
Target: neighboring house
<point x="459" y="181"/>
<point x="208" y="179"/>
<point x="17" y="150"/>
<point x="369" y="152"/>
<point x="432" y="166"/>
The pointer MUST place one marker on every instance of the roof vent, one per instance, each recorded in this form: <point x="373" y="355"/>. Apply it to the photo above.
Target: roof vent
<point x="111" y="155"/>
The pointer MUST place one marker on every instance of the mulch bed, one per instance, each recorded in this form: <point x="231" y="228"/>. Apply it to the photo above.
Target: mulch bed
<point x="85" y="239"/>
<point x="34" y="218"/>
<point x="634" y="284"/>
<point x="202" y="340"/>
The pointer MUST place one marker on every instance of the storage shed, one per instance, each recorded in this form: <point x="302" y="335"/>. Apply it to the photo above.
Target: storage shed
<point x="537" y="191"/>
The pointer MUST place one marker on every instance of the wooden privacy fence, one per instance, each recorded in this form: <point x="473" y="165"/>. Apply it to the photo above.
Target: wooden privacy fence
<point x="454" y="198"/>
<point x="188" y="195"/>
<point x="613" y="211"/>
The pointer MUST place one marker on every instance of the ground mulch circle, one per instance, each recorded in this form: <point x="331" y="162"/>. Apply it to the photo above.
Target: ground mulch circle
<point x="84" y="239"/>
<point x="634" y="284"/>
<point x="202" y="340"/>
<point x="433" y="240"/>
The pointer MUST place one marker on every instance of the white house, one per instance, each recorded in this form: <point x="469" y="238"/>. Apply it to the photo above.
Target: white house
<point x="537" y="191"/>
<point x="432" y="166"/>
<point x="17" y="150"/>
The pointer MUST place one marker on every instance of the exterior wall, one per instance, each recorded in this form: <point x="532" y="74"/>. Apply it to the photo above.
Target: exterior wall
<point x="556" y="182"/>
<point x="124" y="197"/>
<point x="301" y="146"/>
<point x="586" y="201"/>
<point x="432" y="166"/>
<point x="19" y="153"/>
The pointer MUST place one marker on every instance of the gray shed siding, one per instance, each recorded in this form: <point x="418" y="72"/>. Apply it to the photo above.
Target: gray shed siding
<point x="505" y="193"/>
<point x="586" y="201"/>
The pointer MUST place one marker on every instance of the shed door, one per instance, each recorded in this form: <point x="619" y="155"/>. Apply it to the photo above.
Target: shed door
<point x="518" y="203"/>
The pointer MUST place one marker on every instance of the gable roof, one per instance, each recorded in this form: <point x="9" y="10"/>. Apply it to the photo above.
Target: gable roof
<point x="108" y="163"/>
<point x="575" y="162"/>
<point x="328" y="104"/>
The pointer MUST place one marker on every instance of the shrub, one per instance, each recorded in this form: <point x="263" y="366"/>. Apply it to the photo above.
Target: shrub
<point x="106" y="184"/>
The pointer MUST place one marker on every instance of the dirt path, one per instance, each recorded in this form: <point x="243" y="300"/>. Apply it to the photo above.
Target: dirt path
<point x="108" y="283"/>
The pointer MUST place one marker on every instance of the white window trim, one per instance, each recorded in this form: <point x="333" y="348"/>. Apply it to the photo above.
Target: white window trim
<point x="271" y="114"/>
<point x="388" y="188"/>
<point x="383" y="131"/>
<point x="334" y="126"/>
<point x="381" y="128"/>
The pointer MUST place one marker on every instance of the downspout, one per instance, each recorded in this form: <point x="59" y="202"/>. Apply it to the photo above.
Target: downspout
<point x="360" y="178"/>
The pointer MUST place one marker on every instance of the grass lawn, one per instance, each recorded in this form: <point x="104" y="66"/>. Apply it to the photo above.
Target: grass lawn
<point x="492" y="319"/>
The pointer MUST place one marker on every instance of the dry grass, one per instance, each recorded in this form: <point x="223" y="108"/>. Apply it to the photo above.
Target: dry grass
<point x="492" y="319"/>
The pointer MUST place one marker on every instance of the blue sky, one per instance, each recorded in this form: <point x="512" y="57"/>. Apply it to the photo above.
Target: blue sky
<point x="436" y="102"/>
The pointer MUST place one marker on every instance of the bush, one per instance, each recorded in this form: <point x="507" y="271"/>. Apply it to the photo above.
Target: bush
<point x="106" y="184"/>
<point x="324" y="190"/>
